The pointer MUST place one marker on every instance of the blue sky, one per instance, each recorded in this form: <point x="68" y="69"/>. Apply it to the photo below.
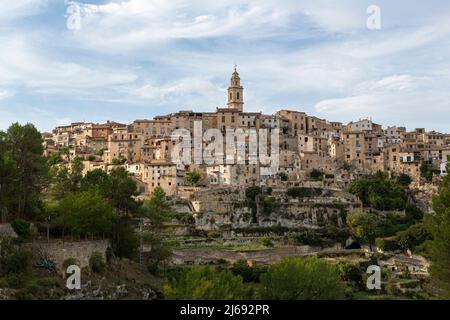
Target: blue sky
<point x="133" y="59"/>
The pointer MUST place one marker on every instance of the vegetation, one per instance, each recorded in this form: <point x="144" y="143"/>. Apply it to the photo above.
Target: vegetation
<point x="302" y="279"/>
<point x="301" y="192"/>
<point x="316" y="174"/>
<point x="439" y="247"/>
<point x="427" y="171"/>
<point x="380" y="192"/>
<point x="193" y="177"/>
<point x="22" y="228"/>
<point x="23" y="171"/>
<point x="97" y="263"/>
<point x="206" y="283"/>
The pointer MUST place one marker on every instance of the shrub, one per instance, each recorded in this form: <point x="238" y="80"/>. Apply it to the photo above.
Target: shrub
<point x="301" y="192"/>
<point x="302" y="279"/>
<point x="16" y="262"/>
<point x="97" y="263"/>
<point x="205" y="283"/>
<point x="316" y="174"/>
<point x="387" y="244"/>
<point x="22" y="228"/>
<point x="248" y="273"/>
<point x="70" y="262"/>
<point x="267" y="242"/>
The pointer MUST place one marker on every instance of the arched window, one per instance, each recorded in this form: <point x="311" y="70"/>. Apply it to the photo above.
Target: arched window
<point x="238" y="95"/>
<point x="231" y="96"/>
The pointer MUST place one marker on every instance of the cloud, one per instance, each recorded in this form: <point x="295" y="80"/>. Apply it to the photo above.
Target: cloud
<point x="10" y="10"/>
<point x="5" y="94"/>
<point x="183" y="88"/>
<point x="26" y="66"/>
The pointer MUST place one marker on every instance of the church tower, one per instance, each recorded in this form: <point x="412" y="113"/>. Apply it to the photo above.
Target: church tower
<point x="236" y="93"/>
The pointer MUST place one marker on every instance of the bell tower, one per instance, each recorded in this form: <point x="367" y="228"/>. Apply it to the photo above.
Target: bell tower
<point x="236" y="92"/>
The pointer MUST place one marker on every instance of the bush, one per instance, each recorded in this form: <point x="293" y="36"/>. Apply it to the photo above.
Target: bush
<point x="16" y="262"/>
<point x="22" y="228"/>
<point x="301" y="192"/>
<point x="387" y="244"/>
<point x="267" y="242"/>
<point x="205" y="283"/>
<point x="97" y="263"/>
<point x="316" y="174"/>
<point x="350" y="272"/>
<point x="248" y="273"/>
<point x="302" y="279"/>
<point x="70" y="262"/>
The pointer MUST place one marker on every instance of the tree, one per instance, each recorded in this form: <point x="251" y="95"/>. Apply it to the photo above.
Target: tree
<point x="61" y="184"/>
<point x="380" y="192"/>
<point x="118" y="188"/>
<point x="98" y="180"/>
<point x="439" y="224"/>
<point x="125" y="240"/>
<point x="316" y="174"/>
<point x="8" y="179"/>
<point x="157" y="209"/>
<point x="205" y="283"/>
<point x="23" y="146"/>
<point x="404" y="179"/>
<point x="76" y="174"/>
<point x="302" y="279"/>
<point x="193" y="177"/>
<point x="427" y="171"/>
<point x="123" y="190"/>
<point x="364" y="226"/>
<point x="86" y="213"/>
<point x="252" y="195"/>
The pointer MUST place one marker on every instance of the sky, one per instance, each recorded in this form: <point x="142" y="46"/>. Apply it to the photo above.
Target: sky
<point x="65" y="61"/>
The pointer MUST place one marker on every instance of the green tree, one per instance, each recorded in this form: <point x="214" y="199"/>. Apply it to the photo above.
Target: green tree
<point x="8" y="179"/>
<point x="302" y="279"/>
<point x="98" y="180"/>
<point x="23" y="145"/>
<point x="427" y="171"/>
<point x="316" y="174"/>
<point x="205" y="283"/>
<point x="364" y="226"/>
<point x="61" y="184"/>
<point x="380" y="192"/>
<point x="118" y="188"/>
<point x="252" y="194"/>
<point x="158" y="210"/>
<point x="86" y="213"/>
<point x="404" y="179"/>
<point x="123" y="191"/>
<point x="76" y="174"/>
<point x="439" y="247"/>
<point x="125" y="240"/>
<point x="193" y="177"/>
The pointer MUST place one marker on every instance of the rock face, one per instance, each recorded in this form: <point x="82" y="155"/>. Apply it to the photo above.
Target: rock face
<point x="228" y="210"/>
<point x="6" y="231"/>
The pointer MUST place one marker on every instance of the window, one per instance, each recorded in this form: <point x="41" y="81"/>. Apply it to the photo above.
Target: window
<point x="231" y="96"/>
<point x="238" y="95"/>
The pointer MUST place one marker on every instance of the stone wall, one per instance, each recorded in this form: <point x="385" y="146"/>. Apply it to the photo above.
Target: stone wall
<point x="59" y="251"/>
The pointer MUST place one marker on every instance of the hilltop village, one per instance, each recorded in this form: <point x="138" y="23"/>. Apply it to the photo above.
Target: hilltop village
<point x="336" y="151"/>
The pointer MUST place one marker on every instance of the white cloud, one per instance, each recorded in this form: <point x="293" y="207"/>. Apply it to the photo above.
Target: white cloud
<point x="5" y="94"/>
<point x="10" y="10"/>
<point x="24" y="65"/>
